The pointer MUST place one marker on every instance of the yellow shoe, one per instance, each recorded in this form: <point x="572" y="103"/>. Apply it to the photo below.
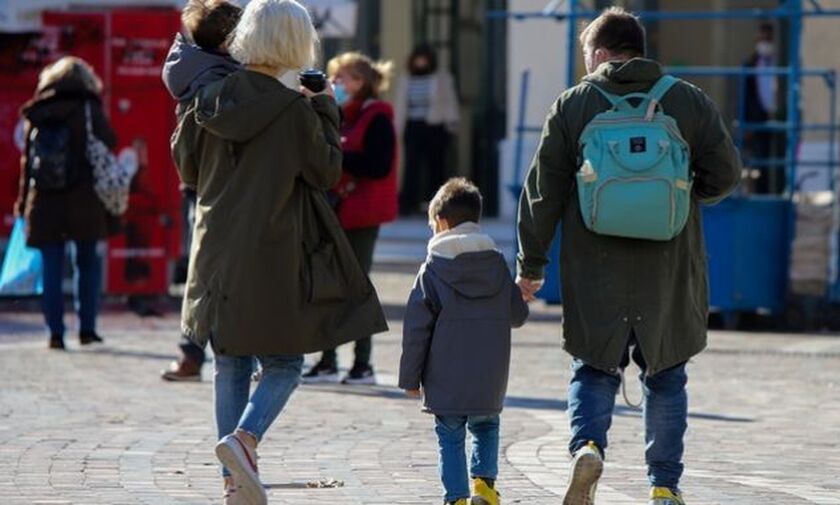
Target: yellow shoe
<point x="483" y="494"/>
<point x="664" y="496"/>
<point x="587" y="467"/>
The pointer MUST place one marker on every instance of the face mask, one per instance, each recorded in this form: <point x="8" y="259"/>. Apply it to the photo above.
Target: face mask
<point x="341" y="95"/>
<point x="765" y="48"/>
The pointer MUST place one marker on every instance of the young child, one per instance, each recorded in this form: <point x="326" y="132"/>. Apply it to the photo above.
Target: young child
<point x="196" y="59"/>
<point x="203" y="59"/>
<point x="456" y="341"/>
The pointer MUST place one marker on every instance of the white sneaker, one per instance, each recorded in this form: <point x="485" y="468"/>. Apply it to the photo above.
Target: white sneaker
<point x="241" y="460"/>
<point x="233" y="496"/>
<point x="587" y="467"/>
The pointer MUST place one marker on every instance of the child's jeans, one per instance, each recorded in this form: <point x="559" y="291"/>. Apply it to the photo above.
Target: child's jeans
<point x="451" y="432"/>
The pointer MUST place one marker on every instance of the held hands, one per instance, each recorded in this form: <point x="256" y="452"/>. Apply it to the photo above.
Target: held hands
<point x="328" y="90"/>
<point x="529" y="288"/>
<point x="413" y="393"/>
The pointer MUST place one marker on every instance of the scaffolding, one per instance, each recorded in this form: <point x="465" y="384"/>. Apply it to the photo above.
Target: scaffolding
<point x="793" y="12"/>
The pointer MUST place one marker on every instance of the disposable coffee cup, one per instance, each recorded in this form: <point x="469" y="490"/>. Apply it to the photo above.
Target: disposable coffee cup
<point x="313" y="79"/>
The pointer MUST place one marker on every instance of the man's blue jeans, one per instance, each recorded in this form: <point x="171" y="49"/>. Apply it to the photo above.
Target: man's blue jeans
<point x="232" y="385"/>
<point x="451" y="432"/>
<point x="665" y="410"/>
<point x="87" y="285"/>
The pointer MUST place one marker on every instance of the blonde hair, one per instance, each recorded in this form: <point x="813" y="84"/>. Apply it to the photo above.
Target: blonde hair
<point x="376" y="75"/>
<point x="69" y="68"/>
<point x="275" y="33"/>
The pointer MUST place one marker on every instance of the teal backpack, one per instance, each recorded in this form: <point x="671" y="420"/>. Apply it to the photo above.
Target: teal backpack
<point x="634" y="179"/>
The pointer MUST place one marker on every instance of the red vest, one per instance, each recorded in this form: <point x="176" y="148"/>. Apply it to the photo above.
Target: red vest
<point x="368" y="202"/>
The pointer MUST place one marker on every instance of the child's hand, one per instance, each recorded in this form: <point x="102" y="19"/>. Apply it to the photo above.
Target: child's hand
<point x="413" y="393"/>
<point x="529" y="288"/>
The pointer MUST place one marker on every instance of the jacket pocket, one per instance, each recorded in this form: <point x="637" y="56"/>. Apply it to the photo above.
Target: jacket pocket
<point x="323" y="271"/>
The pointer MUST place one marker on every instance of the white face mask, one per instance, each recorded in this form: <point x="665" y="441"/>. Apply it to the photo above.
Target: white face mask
<point x="765" y="48"/>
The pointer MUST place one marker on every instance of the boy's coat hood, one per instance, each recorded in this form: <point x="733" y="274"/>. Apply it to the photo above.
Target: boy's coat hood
<point x="467" y="261"/>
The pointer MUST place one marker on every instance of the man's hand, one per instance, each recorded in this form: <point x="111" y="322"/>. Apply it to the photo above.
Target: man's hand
<point x="529" y="288"/>
<point x="413" y="393"/>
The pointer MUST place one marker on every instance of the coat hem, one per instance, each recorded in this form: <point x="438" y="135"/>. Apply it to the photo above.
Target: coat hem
<point x="462" y="413"/>
<point x="652" y="370"/>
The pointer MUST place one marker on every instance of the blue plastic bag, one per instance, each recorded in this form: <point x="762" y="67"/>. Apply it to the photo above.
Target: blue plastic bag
<point x="23" y="268"/>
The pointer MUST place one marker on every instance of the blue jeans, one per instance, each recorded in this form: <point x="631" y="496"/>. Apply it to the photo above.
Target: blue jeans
<point x="665" y="411"/>
<point x="451" y="432"/>
<point x="232" y="385"/>
<point x="87" y="285"/>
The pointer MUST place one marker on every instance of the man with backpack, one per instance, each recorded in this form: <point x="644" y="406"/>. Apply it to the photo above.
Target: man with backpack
<point x="625" y="159"/>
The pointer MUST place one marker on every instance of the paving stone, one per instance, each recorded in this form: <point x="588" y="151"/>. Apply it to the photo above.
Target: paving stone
<point x="98" y="426"/>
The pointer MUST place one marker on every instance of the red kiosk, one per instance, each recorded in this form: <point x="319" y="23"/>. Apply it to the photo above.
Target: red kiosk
<point x="127" y="47"/>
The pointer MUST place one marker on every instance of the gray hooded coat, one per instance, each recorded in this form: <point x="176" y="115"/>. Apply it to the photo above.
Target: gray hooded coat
<point x="188" y="68"/>
<point x="456" y="334"/>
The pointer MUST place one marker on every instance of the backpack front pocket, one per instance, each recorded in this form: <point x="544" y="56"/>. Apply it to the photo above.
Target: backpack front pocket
<point x="637" y="207"/>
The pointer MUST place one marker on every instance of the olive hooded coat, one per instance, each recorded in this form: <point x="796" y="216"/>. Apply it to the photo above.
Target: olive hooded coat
<point x="271" y="271"/>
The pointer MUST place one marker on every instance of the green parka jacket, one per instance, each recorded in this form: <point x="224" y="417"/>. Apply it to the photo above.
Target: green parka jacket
<point x="614" y="287"/>
<point x="271" y="271"/>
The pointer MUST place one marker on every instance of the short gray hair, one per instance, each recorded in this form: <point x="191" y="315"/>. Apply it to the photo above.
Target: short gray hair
<point x="275" y="33"/>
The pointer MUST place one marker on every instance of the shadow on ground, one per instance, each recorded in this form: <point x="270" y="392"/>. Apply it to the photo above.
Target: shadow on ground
<point x="511" y="402"/>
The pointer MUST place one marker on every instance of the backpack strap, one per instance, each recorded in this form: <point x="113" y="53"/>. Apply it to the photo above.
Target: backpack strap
<point x="613" y="99"/>
<point x="622" y="102"/>
<point x="659" y="89"/>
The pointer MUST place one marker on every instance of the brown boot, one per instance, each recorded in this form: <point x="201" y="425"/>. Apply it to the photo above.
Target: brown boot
<point x="185" y="370"/>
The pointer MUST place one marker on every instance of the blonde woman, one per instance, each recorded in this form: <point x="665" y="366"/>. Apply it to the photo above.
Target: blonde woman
<point x="56" y="190"/>
<point x="366" y="197"/>
<point x="268" y="275"/>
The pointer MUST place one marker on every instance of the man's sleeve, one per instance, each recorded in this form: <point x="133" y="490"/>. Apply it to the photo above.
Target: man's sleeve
<point x="715" y="161"/>
<point x="545" y="194"/>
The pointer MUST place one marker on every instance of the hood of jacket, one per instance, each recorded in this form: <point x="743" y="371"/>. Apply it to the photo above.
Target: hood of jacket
<point x="188" y="68"/>
<point x="622" y="77"/>
<point x="241" y="105"/>
<point x="467" y="260"/>
<point x="57" y="102"/>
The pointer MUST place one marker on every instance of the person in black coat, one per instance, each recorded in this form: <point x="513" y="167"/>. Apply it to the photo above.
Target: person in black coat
<point x="56" y="189"/>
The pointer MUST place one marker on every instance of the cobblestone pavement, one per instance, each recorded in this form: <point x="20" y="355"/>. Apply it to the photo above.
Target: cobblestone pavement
<point x="98" y="426"/>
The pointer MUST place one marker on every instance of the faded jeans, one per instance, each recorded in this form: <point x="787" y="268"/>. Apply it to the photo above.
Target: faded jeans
<point x="232" y="385"/>
<point x="451" y="432"/>
<point x="592" y="395"/>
